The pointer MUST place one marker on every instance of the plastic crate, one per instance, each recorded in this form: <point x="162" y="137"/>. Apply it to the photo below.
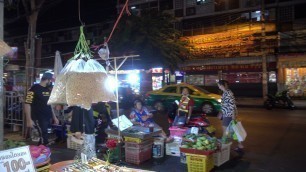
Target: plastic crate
<point x="199" y="163"/>
<point x="138" y="145"/>
<point x="74" y="143"/>
<point x="137" y="156"/>
<point x="177" y="131"/>
<point x="223" y="155"/>
<point x="173" y="148"/>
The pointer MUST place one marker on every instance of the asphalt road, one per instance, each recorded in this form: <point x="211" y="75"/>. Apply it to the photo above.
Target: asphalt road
<point x="275" y="142"/>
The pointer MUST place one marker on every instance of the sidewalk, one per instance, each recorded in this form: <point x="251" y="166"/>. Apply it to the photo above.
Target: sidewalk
<point x="258" y="102"/>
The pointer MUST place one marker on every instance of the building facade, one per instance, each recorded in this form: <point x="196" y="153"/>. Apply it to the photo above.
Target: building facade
<point x="230" y="38"/>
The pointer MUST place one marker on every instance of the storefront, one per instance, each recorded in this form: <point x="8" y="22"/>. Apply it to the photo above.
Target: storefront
<point x="292" y="73"/>
<point x="242" y="77"/>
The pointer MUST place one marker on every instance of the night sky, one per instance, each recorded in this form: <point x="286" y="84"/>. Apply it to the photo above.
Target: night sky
<point x="58" y="14"/>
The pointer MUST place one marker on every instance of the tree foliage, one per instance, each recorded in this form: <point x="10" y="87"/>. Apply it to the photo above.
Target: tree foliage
<point x="152" y="36"/>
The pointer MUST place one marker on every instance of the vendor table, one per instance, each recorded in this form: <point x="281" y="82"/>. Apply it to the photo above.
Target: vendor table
<point x="143" y="132"/>
<point x="58" y="167"/>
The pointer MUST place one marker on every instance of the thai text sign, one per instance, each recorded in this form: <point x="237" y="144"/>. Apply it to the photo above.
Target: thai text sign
<point x="16" y="160"/>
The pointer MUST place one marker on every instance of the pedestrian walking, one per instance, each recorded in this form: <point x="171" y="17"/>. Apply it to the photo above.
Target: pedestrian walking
<point x="228" y="110"/>
<point x="38" y="112"/>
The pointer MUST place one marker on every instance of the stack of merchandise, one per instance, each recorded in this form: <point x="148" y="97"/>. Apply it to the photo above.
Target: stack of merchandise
<point x="137" y="150"/>
<point x="173" y="148"/>
<point x="41" y="157"/>
<point x="199" y="151"/>
<point x="97" y="165"/>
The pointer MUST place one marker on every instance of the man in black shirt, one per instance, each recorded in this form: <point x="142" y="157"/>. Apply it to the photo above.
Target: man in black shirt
<point x="38" y="112"/>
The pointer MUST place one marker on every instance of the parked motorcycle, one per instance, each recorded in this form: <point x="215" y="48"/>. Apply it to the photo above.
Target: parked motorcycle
<point x="281" y="99"/>
<point x="200" y="121"/>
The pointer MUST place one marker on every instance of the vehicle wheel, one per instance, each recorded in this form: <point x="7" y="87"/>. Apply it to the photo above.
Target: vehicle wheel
<point x="208" y="108"/>
<point x="158" y="106"/>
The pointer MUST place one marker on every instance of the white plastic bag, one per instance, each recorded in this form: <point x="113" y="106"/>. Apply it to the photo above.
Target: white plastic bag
<point x="58" y="94"/>
<point x="78" y="86"/>
<point x="99" y="76"/>
<point x="239" y="131"/>
<point x="86" y="84"/>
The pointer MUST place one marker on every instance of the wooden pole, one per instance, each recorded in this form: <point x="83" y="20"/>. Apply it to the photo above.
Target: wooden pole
<point x="1" y="74"/>
<point x="263" y="51"/>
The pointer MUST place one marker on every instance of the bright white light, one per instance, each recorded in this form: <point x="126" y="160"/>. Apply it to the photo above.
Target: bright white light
<point x="111" y="84"/>
<point x="133" y="7"/>
<point x="133" y="78"/>
<point x="257" y="12"/>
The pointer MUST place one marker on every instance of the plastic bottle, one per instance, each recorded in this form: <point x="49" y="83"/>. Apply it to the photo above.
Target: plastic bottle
<point x="158" y="147"/>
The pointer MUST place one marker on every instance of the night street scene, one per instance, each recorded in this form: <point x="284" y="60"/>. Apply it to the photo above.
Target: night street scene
<point x="153" y="85"/>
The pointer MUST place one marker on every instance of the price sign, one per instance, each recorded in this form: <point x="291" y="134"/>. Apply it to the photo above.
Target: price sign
<point x="16" y="160"/>
<point x="124" y="123"/>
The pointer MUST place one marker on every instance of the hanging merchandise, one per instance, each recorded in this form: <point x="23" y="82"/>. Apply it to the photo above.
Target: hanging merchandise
<point x="58" y="94"/>
<point x="104" y="52"/>
<point x="82" y="81"/>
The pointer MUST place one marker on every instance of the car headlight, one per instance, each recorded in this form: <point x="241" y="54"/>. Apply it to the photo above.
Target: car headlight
<point x="219" y="100"/>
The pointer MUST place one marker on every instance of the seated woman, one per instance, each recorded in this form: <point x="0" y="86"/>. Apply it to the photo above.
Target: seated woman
<point x="141" y="116"/>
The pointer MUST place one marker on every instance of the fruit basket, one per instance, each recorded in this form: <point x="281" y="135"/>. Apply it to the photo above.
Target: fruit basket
<point x="199" y="144"/>
<point x="199" y="163"/>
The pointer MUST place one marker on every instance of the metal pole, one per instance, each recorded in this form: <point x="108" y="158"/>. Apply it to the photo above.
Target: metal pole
<point x="263" y="51"/>
<point x="1" y="74"/>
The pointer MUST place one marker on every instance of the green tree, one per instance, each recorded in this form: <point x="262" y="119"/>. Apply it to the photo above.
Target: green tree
<point x="152" y="36"/>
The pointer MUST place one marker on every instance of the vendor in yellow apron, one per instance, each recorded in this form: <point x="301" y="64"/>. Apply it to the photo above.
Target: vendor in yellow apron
<point x="184" y="109"/>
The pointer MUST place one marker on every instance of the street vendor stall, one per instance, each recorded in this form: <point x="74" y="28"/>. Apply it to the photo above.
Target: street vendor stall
<point x="94" y="165"/>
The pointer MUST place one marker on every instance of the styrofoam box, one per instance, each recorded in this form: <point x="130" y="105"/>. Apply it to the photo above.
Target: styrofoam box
<point x="173" y="148"/>
<point x="223" y="155"/>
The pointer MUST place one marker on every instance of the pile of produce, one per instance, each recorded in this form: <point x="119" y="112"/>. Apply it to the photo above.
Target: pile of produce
<point x="9" y="144"/>
<point x="82" y="81"/>
<point x="199" y="142"/>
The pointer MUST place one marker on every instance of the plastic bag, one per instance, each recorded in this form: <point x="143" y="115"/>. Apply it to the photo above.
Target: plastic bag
<point x="78" y="86"/>
<point x="104" y="52"/>
<point x="101" y="93"/>
<point x="58" y="93"/>
<point x="86" y="84"/>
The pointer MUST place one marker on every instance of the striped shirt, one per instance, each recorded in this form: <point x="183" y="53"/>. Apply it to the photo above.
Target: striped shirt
<point x="228" y="103"/>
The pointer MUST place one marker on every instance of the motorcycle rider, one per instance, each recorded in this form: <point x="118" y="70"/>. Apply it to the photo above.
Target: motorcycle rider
<point x="185" y="108"/>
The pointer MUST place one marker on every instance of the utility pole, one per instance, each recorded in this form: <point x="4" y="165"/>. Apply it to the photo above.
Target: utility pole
<point x="263" y="51"/>
<point x="1" y="74"/>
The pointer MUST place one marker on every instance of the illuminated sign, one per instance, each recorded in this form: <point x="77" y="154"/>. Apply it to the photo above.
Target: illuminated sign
<point x="157" y="70"/>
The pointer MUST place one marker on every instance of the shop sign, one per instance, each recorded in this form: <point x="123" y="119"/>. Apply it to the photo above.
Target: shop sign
<point x="292" y="60"/>
<point x="157" y="70"/>
<point x="17" y="159"/>
<point x="223" y="67"/>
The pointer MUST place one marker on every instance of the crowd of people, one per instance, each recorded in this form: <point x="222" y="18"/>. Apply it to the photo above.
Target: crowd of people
<point x="39" y="114"/>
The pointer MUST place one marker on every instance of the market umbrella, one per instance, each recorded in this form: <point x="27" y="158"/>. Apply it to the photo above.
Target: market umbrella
<point x="58" y="65"/>
<point x="4" y="48"/>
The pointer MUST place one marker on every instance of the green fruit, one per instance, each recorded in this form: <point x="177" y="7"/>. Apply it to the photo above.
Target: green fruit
<point x="184" y="146"/>
<point x="200" y="148"/>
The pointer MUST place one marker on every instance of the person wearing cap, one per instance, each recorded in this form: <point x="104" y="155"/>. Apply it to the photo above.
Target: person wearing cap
<point x="38" y="112"/>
